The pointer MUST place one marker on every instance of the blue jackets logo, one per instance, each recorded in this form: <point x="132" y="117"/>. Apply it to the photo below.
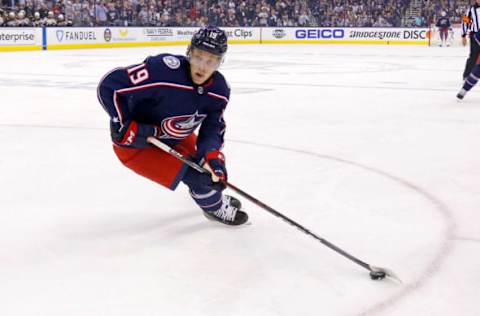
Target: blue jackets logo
<point x="319" y="33"/>
<point x="179" y="127"/>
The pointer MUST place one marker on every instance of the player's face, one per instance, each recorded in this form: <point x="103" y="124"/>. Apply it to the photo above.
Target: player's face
<point x="202" y="65"/>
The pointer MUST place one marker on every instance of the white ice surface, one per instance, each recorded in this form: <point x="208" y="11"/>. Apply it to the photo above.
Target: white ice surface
<point x="364" y="145"/>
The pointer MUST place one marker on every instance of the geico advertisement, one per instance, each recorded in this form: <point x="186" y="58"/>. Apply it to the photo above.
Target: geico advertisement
<point x="292" y="34"/>
<point x="20" y="36"/>
<point x="343" y="34"/>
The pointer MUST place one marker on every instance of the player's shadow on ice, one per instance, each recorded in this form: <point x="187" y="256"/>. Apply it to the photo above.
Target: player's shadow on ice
<point x="137" y="231"/>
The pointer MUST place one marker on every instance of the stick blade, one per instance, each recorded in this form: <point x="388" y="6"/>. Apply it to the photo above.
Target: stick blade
<point x="389" y="273"/>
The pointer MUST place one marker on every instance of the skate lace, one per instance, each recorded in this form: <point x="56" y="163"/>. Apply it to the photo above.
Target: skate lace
<point x="226" y="212"/>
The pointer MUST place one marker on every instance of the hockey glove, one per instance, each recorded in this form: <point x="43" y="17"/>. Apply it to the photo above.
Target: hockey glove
<point x="215" y="163"/>
<point x="132" y="134"/>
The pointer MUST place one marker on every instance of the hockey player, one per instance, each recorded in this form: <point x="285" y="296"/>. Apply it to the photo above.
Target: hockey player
<point x="443" y="25"/>
<point x="168" y="97"/>
<point x="474" y="76"/>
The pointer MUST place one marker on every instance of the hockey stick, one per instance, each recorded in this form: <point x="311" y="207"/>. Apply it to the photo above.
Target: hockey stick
<point x="376" y="273"/>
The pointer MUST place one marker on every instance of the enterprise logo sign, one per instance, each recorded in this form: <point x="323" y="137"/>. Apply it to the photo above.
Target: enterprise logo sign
<point x="319" y="33"/>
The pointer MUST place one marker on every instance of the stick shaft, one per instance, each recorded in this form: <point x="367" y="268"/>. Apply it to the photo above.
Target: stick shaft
<point x="255" y="201"/>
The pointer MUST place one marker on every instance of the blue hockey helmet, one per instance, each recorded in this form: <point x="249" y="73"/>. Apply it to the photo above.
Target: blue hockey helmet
<point x="210" y="39"/>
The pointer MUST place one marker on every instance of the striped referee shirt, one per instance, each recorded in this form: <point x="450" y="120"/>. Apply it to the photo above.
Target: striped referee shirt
<point x="471" y="20"/>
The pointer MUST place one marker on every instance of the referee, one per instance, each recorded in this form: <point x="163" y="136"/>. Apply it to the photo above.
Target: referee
<point x="470" y="26"/>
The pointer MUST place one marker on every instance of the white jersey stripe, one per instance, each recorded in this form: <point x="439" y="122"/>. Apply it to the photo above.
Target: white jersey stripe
<point x="218" y="96"/>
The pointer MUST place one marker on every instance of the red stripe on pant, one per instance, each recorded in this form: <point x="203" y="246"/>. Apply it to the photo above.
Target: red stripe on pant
<point x="157" y="165"/>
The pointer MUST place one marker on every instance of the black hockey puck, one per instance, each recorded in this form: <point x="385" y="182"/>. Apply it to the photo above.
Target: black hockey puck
<point x="377" y="275"/>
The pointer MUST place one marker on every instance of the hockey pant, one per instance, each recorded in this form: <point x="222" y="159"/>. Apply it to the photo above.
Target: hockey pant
<point x="443" y="33"/>
<point x="168" y="171"/>
<point x="473" y="57"/>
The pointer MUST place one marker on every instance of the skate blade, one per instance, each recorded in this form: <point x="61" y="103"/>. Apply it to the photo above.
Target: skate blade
<point x="247" y="223"/>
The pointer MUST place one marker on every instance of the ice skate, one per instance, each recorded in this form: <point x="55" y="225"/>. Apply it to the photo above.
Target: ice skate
<point x="461" y="94"/>
<point x="229" y="213"/>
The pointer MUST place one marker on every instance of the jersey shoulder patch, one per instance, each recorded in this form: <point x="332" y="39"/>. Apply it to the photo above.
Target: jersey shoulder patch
<point x="172" y="62"/>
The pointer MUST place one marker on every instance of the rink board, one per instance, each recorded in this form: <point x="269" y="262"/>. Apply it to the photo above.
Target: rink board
<point x="21" y="38"/>
<point x="54" y="38"/>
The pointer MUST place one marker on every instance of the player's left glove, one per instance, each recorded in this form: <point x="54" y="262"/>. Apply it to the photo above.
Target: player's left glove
<point x="215" y="163"/>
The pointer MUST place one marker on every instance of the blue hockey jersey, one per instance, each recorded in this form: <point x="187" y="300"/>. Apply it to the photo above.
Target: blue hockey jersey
<point x="160" y="97"/>
<point x="443" y="22"/>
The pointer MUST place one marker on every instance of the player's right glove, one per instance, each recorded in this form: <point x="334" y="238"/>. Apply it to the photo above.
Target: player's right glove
<point x="132" y="134"/>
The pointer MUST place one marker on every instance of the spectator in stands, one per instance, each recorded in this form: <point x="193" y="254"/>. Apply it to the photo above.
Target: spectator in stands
<point x="50" y="19"/>
<point x="303" y="19"/>
<point x="61" y="21"/>
<point x="43" y="10"/>
<point x="22" y="20"/>
<point x="37" y="20"/>
<point x="127" y="15"/>
<point x="11" y="19"/>
<point x="100" y="13"/>
<point x="113" y="16"/>
<point x="262" y="17"/>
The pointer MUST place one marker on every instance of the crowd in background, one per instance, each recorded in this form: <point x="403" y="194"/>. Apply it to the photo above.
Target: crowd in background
<point x="455" y="9"/>
<point x="230" y="13"/>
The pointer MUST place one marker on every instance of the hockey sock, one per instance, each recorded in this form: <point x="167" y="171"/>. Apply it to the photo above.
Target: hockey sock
<point x="472" y="79"/>
<point x="208" y="200"/>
